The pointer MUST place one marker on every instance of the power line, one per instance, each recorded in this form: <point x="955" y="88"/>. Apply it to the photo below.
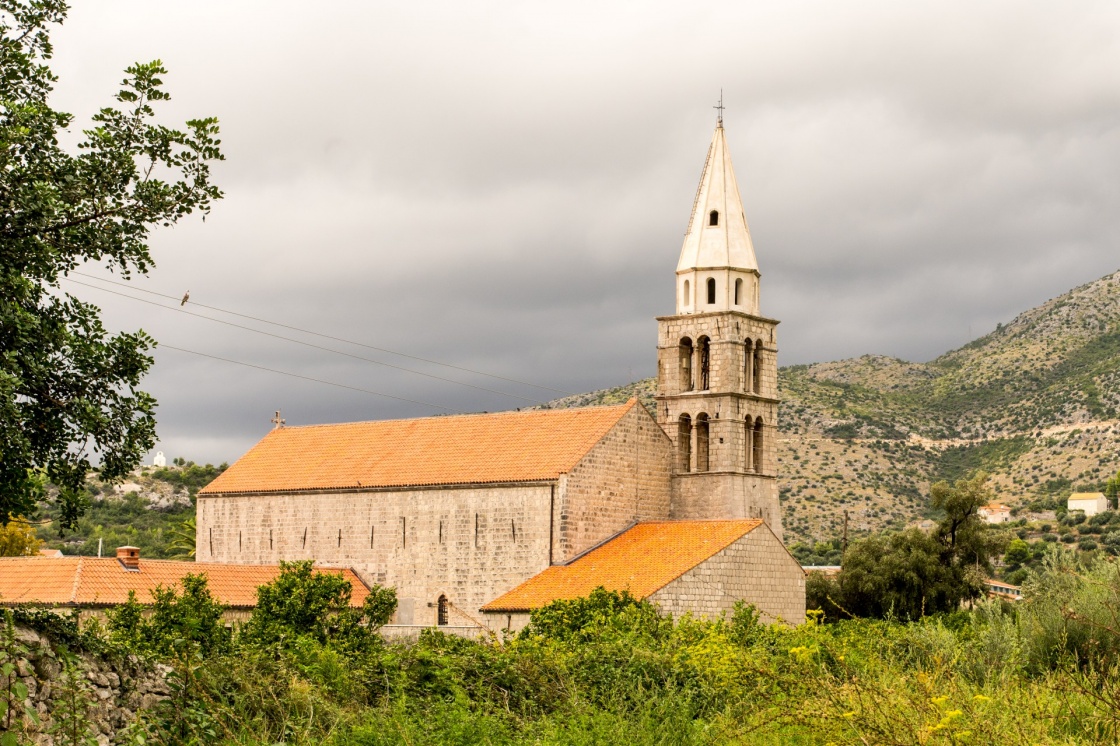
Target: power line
<point x="326" y="336"/>
<point x="301" y="342"/>
<point x="307" y="378"/>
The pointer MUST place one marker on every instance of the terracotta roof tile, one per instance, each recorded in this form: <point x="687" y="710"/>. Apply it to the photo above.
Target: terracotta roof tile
<point x="641" y="560"/>
<point x="104" y="581"/>
<point x="460" y="449"/>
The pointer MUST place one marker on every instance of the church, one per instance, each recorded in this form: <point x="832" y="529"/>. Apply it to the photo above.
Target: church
<point x="479" y="519"/>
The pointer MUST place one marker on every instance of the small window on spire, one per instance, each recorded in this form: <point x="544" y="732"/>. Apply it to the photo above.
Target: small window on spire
<point x="713" y="217"/>
<point x="711" y="290"/>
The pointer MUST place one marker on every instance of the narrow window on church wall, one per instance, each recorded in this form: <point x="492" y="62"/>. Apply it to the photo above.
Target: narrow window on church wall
<point x="738" y="290"/>
<point x="441" y="532"/>
<point x="441" y="611"/>
<point x="711" y="290"/>
<point x="404" y="532"/>
<point x="705" y="363"/>
<point x="713" y="217"/>
<point x="371" y="537"/>
<point x="685" y="293"/>
<point x="476" y="530"/>
<point x="702" y="438"/>
<point x="684" y="444"/>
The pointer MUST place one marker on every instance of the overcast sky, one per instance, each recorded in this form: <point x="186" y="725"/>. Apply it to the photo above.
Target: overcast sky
<point x="505" y="186"/>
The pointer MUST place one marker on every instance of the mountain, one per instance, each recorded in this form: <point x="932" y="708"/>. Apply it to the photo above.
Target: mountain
<point x="1036" y="403"/>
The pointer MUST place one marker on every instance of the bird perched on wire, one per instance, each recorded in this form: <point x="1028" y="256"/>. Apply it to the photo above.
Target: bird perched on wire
<point x="186" y="297"/>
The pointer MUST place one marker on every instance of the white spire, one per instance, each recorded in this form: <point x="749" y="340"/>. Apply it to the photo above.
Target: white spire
<point x="727" y="244"/>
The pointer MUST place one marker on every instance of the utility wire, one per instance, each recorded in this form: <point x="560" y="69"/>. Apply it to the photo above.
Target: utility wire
<point x="308" y="378"/>
<point x="326" y="336"/>
<point x="301" y="342"/>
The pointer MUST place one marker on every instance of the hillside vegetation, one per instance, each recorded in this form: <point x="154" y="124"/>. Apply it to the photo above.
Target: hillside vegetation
<point x="1036" y="403"/>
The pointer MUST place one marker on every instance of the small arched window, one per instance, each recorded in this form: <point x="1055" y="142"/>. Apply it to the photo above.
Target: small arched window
<point x="713" y="217"/>
<point x="441" y="611"/>
<point x="702" y="437"/>
<point x="711" y="290"/>
<point x="738" y="291"/>
<point x="684" y="294"/>
<point x="684" y="444"/>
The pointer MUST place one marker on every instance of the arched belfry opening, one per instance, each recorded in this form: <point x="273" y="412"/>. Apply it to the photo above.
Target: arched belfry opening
<point x="756" y="447"/>
<point x="441" y="611"/>
<point x="748" y="441"/>
<point x="756" y="368"/>
<point x="705" y="363"/>
<point x="702" y="438"/>
<point x="685" y="353"/>
<point x="711" y="290"/>
<point x="738" y="291"/>
<point x="713" y="217"/>
<point x="748" y="365"/>
<point x="684" y="444"/>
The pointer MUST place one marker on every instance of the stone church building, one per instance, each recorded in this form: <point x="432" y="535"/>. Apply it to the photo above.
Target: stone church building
<point x="477" y="520"/>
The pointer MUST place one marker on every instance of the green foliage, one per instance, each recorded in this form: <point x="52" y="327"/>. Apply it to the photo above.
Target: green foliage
<point x="303" y="602"/>
<point x="68" y="389"/>
<point x="127" y="520"/>
<point x="602" y="612"/>
<point x="913" y="573"/>
<point x="16" y="710"/>
<point x="70" y="716"/>
<point x="190" y="475"/>
<point x="190" y="619"/>
<point x="957" y="462"/>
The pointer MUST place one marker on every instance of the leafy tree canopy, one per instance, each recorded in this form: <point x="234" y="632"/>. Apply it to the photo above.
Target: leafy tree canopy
<point x="913" y="573"/>
<point x="18" y="539"/>
<point x="68" y="389"/>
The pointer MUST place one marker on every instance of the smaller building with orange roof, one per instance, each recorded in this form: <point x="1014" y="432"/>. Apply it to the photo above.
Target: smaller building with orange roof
<point x="995" y="513"/>
<point x="95" y="583"/>
<point x="698" y="567"/>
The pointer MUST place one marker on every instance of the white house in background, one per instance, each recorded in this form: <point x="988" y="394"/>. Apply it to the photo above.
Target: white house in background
<point x="1089" y="503"/>
<point x="159" y="459"/>
<point x="995" y="513"/>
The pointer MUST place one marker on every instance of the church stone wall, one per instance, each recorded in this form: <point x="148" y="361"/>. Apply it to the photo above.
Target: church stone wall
<point x="470" y="544"/>
<point x="756" y="569"/>
<point x="706" y="495"/>
<point x="625" y="478"/>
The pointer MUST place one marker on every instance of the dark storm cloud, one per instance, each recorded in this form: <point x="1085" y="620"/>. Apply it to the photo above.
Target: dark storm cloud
<point x="504" y="186"/>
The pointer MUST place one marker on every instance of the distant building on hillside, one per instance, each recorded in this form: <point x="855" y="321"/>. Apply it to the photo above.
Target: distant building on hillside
<point x="159" y="459"/>
<point x="1090" y="503"/>
<point x="995" y="513"/>
<point x="1000" y="589"/>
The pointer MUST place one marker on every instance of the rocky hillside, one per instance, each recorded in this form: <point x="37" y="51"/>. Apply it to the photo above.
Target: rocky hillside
<point x="1036" y="403"/>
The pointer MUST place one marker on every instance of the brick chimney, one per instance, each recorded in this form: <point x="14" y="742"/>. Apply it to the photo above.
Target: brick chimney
<point x="129" y="557"/>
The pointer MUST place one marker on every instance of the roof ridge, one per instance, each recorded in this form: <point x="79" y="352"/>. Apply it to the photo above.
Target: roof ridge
<point x="77" y="580"/>
<point x="463" y="415"/>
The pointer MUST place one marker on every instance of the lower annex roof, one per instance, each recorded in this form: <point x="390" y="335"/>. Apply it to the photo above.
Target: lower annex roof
<point x="641" y="560"/>
<point x="80" y="581"/>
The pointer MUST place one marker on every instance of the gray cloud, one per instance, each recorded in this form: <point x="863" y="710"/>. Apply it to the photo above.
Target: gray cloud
<point x="504" y="186"/>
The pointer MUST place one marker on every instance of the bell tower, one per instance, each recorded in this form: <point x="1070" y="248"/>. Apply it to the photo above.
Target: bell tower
<point x="717" y="372"/>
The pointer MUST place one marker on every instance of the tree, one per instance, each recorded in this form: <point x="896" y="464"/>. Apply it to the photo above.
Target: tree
<point x="68" y="389"/>
<point x="914" y="573"/>
<point x="18" y="540"/>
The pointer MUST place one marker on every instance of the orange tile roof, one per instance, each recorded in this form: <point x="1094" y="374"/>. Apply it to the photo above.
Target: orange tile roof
<point x="641" y="560"/>
<point x="104" y="581"/>
<point x="460" y="449"/>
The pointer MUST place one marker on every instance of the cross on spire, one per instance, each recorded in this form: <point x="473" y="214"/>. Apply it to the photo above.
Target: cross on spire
<point x="276" y="421"/>
<point x="720" y="107"/>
